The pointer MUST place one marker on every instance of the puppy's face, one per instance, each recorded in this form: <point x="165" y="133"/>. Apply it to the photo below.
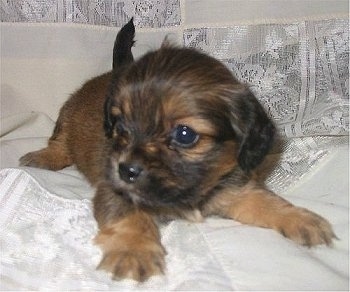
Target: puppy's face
<point x="181" y="127"/>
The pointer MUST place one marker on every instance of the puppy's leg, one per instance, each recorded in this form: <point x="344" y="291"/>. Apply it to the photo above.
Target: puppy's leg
<point x="55" y="156"/>
<point x="128" y="237"/>
<point x="260" y="207"/>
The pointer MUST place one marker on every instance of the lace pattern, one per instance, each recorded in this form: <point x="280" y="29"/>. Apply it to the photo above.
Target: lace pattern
<point x="41" y="229"/>
<point x="149" y="13"/>
<point x="47" y="243"/>
<point x="299" y="71"/>
<point x="295" y="158"/>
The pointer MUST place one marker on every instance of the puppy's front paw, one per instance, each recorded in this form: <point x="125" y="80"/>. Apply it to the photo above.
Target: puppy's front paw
<point x="131" y="248"/>
<point x="135" y="263"/>
<point x="306" y="228"/>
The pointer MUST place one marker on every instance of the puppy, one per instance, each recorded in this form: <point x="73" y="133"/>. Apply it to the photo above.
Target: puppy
<point x="172" y="134"/>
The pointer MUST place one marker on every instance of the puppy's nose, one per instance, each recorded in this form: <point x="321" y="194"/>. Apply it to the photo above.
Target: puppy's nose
<point x="129" y="172"/>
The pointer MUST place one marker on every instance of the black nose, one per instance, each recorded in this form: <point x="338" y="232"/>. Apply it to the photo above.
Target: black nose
<point x="129" y="172"/>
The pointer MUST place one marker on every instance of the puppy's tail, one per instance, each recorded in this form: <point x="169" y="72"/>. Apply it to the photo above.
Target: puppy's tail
<point x="122" y="46"/>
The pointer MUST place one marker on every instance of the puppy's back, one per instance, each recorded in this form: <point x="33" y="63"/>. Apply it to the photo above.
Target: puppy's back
<point x="82" y="121"/>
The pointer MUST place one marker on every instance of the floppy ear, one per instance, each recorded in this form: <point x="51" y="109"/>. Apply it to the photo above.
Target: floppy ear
<point x="122" y="56"/>
<point x="254" y="128"/>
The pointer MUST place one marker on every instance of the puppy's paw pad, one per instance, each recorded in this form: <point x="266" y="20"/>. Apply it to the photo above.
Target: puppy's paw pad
<point x="307" y="228"/>
<point x="138" y="265"/>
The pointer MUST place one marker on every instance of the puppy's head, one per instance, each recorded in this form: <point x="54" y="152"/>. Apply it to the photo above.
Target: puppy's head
<point x="181" y="127"/>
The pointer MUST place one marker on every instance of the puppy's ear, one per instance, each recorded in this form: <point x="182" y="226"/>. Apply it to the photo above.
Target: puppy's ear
<point x="254" y="128"/>
<point x="122" y="56"/>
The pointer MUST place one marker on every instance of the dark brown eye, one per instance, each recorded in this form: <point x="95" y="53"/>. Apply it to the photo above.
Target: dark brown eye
<point x="184" y="136"/>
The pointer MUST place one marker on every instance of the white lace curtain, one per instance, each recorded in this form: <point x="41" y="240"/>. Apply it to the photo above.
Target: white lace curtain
<point x="149" y="13"/>
<point x="298" y="69"/>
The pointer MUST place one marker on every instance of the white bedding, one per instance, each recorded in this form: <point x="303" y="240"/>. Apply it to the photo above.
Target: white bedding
<point x="46" y="241"/>
<point x="46" y="222"/>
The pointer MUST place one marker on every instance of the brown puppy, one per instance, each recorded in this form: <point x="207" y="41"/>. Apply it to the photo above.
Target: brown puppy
<point x="172" y="134"/>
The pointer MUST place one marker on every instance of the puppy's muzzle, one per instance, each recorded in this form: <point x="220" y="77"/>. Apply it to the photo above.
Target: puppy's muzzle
<point x="130" y="172"/>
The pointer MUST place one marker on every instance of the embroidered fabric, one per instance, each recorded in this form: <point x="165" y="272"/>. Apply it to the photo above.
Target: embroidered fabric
<point x="42" y="230"/>
<point x="149" y="13"/>
<point x="298" y="71"/>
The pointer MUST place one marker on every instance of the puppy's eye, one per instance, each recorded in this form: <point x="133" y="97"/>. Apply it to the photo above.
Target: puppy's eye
<point x="184" y="136"/>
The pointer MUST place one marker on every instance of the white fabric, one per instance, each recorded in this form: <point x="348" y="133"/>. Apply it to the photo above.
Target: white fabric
<point x="295" y="56"/>
<point x="46" y="243"/>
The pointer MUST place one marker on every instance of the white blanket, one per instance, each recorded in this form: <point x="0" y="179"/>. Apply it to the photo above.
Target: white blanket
<point x="294" y="55"/>
<point x="47" y="240"/>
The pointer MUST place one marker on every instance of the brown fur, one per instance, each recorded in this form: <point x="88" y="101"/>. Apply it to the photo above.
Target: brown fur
<point x="132" y="247"/>
<point x="257" y="206"/>
<point x="121" y="131"/>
